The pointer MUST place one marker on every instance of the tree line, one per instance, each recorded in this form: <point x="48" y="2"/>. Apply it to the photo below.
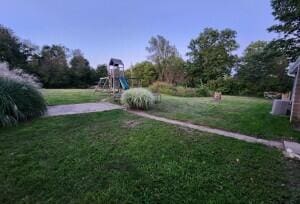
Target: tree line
<point x="55" y="65"/>
<point x="211" y="59"/>
<point x="211" y="62"/>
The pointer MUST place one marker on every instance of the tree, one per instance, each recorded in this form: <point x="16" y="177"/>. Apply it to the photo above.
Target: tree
<point x="12" y="50"/>
<point x="210" y="55"/>
<point x="80" y="70"/>
<point x="53" y="67"/>
<point x="160" y="51"/>
<point x="101" y="71"/>
<point x="175" y="70"/>
<point x="96" y="74"/>
<point x="145" y="71"/>
<point x="287" y="12"/>
<point x="263" y="68"/>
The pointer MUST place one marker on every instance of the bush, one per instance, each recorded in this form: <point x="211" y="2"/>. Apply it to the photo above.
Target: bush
<point x="203" y="91"/>
<point x="169" y="89"/>
<point x="226" y="85"/>
<point x="138" y="98"/>
<point x="163" y="87"/>
<point x="20" y="101"/>
<point x="182" y="91"/>
<point x="185" y="91"/>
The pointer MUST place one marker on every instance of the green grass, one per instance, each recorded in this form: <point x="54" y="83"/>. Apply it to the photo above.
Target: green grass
<point x="116" y="157"/>
<point x="239" y="114"/>
<point x="71" y="96"/>
<point x="247" y="115"/>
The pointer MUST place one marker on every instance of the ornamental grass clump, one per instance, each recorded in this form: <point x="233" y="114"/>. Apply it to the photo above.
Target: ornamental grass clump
<point x="20" y="100"/>
<point x="18" y="75"/>
<point x="137" y="98"/>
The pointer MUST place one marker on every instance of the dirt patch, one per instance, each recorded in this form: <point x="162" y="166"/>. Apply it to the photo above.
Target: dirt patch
<point x="131" y="123"/>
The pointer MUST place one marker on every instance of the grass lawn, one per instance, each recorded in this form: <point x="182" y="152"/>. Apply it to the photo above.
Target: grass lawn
<point x="239" y="114"/>
<point x="116" y="157"/>
<point x="246" y="115"/>
<point x="69" y="96"/>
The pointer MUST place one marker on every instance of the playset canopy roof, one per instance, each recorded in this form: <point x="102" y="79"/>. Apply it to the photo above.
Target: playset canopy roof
<point x="115" y="62"/>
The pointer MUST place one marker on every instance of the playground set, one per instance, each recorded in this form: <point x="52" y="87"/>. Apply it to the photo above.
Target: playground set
<point x="116" y="82"/>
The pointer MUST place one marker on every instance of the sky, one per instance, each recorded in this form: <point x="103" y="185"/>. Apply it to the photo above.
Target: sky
<point x="102" y="29"/>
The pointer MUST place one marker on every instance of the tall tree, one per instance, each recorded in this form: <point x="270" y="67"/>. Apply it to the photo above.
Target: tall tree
<point x="263" y="68"/>
<point x="160" y="51"/>
<point x="210" y="54"/>
<point x="287" y="13"/>
<point x="80" y="69"/>
<point x="176" y="70"/>
<point x="53" y="67"/>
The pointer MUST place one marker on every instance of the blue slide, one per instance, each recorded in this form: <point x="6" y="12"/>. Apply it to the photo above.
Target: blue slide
<point x="124" y="83"/>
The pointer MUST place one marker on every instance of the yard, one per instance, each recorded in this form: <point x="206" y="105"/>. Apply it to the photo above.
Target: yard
<point x="247" y="115"/>
<point x="114" y="156"/>
<point x="128" y="145"/>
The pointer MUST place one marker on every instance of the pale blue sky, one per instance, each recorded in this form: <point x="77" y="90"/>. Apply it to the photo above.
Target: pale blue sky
<point x="122" y="28"/>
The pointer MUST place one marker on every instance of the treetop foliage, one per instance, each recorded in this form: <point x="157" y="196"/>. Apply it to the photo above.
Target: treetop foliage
<point x="287" y="13"/>
<point x="210" y="54"/>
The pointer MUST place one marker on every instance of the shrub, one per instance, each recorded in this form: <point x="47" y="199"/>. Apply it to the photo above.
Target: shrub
<point x="203" y="91"/>
<point x="163" y="87"/>
<point x="138" y="98"/>
<point x="226" y="85"/>
<point x="185" y="91"/>
<point x="20" y="101"/>
<point x="169" y="89"/>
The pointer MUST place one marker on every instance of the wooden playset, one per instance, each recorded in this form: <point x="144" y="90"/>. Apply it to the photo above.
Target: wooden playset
<point x="116" y="82"/>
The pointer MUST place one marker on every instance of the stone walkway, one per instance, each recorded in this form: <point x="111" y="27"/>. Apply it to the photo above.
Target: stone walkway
<point x="80" y="108"/>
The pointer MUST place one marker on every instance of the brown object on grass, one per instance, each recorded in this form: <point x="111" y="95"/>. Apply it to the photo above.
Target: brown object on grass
<point x="217" y="96"/>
